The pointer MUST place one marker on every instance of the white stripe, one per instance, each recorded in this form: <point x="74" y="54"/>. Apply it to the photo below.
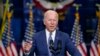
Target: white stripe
<point x="94" y="49"/>
<point x="9" y="50"/>
<point x="80" y="50"/>
<point x="13" y="48"/>
<point x="49" y="5"/>
<point x="68" y="53"/>
<point x="84" y="46"/>
<point x="3" y="48"/>
<point x="1" y="54"/>
<point x="21" y="52"/>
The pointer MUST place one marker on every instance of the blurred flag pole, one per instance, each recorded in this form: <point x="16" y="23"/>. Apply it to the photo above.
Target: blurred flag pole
<point x="31" y="19"/>
<point x="1" y="9"/>
<point x="77" y="19"/>
<point x="98" y="5"/>
<point x="11" y="45"/>
<point x="77" y="6"/>
<point x="77" y="35"/>
<point x="9" y="15"/>
<point x="98" y="12"/>
<point x="29" y="32"/>
<point x="95" y="43"/>
<point x="98" y="15"/>
<point x="76" y="31"/>
<point x="6" y="11"/>
<point x="4" y="18"/>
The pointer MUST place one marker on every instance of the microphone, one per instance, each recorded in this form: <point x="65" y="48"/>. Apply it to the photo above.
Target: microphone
<point x="59" y="45"/>
<point x="27" y="42"/>
<point x="51" y="46"/>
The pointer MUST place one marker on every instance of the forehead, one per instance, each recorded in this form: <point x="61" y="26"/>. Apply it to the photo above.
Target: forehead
<point x="50" y="12"/>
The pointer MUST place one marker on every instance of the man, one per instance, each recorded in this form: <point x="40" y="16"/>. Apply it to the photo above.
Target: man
<point x="55" y="45"/>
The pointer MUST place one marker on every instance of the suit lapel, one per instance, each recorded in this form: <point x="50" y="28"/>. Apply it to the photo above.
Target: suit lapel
<point x="56" y="39"/>
<point x="45" y="41"/>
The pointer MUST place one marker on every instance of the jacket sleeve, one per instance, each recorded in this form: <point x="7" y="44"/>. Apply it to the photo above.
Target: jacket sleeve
<point x="33" y="47"/>
<point x="71" y="48"/>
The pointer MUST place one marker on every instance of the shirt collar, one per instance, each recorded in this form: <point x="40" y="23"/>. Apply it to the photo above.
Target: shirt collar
<point x="53" y="34"/>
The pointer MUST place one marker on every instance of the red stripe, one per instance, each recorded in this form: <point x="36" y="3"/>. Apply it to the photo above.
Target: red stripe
<point x="1" y="51"/>
<point x="92" y="50"/>
<point x="98" y="49"/>
<point x="83" y="49"/>
<point x="7" y="51"/>
<point x="15" y="47"/>
<point x="11" y="50"/>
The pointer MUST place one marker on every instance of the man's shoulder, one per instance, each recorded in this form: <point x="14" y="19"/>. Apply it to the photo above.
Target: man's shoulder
<point x="40" y="32"/>
<point x="62" y="33"/>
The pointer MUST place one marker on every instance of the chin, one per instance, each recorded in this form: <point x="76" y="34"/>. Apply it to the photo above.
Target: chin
<point x="52" y="30"/>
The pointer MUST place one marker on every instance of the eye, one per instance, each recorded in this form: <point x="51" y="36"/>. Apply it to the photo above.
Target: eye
<point x="54" y="20"/>
<point x="49" y="19"/>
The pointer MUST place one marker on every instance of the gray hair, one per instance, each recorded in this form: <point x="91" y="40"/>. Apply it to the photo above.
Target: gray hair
<point x="50" y="11"/>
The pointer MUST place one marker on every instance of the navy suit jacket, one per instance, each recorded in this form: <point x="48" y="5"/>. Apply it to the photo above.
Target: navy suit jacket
<point x="41" y="49"/>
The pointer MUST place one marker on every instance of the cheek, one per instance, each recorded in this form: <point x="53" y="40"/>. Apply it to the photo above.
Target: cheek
<point x="47" y="24"/>
<point x="56" y="23"/>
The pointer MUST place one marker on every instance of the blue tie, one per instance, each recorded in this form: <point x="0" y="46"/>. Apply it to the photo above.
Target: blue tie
<point x="49" y="43"/>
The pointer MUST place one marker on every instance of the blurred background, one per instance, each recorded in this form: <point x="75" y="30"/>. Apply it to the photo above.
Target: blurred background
<point x="88" y="11"/>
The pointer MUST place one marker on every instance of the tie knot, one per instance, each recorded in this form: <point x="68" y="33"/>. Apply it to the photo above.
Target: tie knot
<point x="50" y="36"/>
<point x="50" y="33"/>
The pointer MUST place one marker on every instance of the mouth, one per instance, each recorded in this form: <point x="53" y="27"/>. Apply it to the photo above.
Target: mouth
<point x="51" y="26"/>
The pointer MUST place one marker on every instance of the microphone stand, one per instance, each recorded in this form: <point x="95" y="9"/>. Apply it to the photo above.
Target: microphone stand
<point x="55" y="51"/>
<point x="58" y="49"/>
<point x="51" y="46"/>
<point x="28" y="41"/>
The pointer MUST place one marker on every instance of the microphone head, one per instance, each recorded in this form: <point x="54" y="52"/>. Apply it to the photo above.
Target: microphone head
<point x="51" y="46"/>
<point x="51" y="43"/>
<point x="59" y="44"/>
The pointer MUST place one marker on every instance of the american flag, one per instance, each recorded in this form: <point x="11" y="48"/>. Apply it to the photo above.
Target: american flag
<point x="9" y="42"/>
<point x="95" y="48"/>
<point x="95" y="43"/>
<point x="28" y="37"/>
<point x="77" y="37"/>
<point x="2" y="49"/>
<point x="29" y="31"/>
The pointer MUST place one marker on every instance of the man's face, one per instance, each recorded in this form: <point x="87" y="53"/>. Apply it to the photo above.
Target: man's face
<point x="51" y="21"/>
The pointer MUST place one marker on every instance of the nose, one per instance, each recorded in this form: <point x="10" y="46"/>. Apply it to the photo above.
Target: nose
<point x="52" y="22"/>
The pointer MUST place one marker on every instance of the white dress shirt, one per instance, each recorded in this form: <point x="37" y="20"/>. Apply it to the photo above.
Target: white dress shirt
<point x="48" y="33"/>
